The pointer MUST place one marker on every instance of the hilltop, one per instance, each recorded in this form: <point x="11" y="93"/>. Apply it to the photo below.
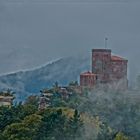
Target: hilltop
<point x="26" y="83"/>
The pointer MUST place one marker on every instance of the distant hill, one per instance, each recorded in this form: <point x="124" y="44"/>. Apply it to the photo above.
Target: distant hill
<point x="25" y="83"/>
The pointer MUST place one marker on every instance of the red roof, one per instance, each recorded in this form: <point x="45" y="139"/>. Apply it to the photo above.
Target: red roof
<point x="117" y="58"/>
<point x="88" y="73"/>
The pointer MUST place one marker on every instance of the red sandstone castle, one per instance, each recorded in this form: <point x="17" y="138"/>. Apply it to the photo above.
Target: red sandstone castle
<point x="106" y="69"/>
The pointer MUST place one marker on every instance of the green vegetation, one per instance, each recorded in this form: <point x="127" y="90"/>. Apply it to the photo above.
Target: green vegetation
<point x="92" y="115"/>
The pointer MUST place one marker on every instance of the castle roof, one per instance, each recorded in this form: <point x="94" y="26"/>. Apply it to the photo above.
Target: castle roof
<point x="101" y="50"/>
<point x="117" y="58"/>
<point x="88" y="73"/>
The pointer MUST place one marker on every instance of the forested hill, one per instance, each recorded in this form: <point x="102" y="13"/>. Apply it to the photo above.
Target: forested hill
<point x="63" y="71"/>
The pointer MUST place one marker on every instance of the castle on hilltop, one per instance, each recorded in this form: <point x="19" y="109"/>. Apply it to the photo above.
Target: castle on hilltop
<point x="106" y="69"/>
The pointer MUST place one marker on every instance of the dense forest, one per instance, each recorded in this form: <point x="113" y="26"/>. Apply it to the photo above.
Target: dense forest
<point x="92" y="115"/>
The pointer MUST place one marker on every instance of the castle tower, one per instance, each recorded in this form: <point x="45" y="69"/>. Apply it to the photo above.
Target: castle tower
<point x="119" y="71"/>
<point x="87" y="79"/>
<point x="101" y="64"/>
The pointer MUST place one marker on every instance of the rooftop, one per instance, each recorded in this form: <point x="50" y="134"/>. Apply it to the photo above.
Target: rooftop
<point x="6" y="97"/>
<point x="88" y="73"/>
<point x="5" y="103"/>
<point x="117" y="58"/>
<point x="101" y="50"/>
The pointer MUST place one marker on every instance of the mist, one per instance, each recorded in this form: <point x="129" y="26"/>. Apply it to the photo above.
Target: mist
<point x="113" y="107"/>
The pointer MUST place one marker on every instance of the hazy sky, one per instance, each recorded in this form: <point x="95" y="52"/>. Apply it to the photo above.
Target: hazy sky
<point x="34" y="32"/>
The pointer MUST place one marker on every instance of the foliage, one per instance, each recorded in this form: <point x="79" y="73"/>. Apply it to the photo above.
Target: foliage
<point x="121" y="136"/>
<point x="75" y="126"/>
<point x="15" y="114"/>
<point x="24" y="130"/>
<point x="100" y="115"/>
<point x="73" y="83"/>
<point x="32" y="100"/>
<point x="55" y="125"/>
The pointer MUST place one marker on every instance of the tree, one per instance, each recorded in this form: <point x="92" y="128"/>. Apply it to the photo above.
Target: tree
<point x="7" y="116"/>
<point x="55" y="87"/>
<point x="53" y="126"/>
<point x="121" y="136"/>
<point x="105" y="133"/>
<point x="73" y="83"/>
<point x="74" y="126"/>
<point x="32" y="100"/>
<point x="26" y="130"/>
